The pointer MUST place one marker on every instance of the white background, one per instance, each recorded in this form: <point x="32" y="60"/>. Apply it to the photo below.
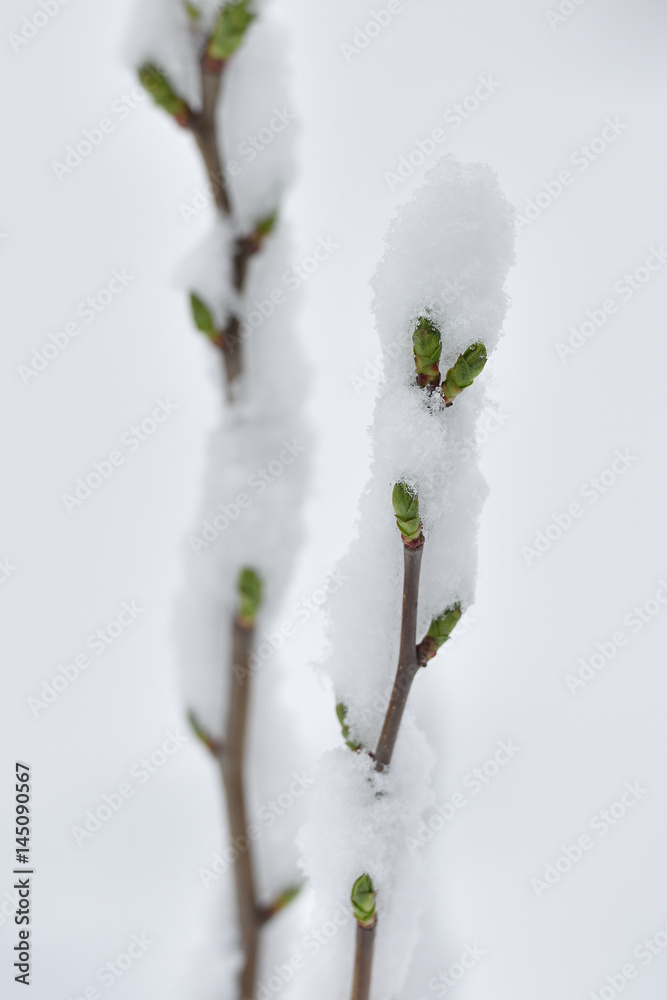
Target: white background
<point x="563" y="421"/>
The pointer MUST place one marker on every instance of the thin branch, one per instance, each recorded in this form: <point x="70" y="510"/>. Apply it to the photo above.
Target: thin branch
<point x="363" y="962"/>
<point x="232" y="769"/>
<point x="407" y="657"/>
<point x="205" y="130"/>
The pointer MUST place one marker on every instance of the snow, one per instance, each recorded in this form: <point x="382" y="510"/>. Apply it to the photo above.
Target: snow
<point x="458" y="228"/>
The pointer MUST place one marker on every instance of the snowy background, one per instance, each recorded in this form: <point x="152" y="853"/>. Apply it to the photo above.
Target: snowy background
<point x="549" y="441"/>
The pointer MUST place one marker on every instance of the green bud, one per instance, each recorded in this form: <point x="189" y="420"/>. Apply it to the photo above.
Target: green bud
<point x="363" y="901"/>
<point x="464" y="372"/>
<point x="229" y="31"/>
<point x="202" y="316"/>
<point x="439" y="632"/>
<point x="427" y="346"/>
<point x="341" y="712"/>
<point x="159" y="87"/>
<point x="192" y="11"/>
<point x="201" y="733"/>
<point x="250" y="593"/>
<point x="267" y="225"/>
<point x="406" y="509"/>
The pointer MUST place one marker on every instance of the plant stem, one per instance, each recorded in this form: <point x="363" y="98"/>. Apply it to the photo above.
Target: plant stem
<point x="231" y="761"/>
<point x="205" y="131"/>
<point x="363" y="962"/>
<point x="407" y="657"/>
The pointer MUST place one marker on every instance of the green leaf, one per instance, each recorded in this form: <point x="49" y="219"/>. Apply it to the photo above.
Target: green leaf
<point x="363" y="900"/>
<point x="202" y="316"/>
<point x="250" y="593"/>
<point x="427" y="347"/>
<point x="406" y="508"/>
<point x="230" y="28"/>
<point x="158" y="85"/>
<point x="192" y="11"/>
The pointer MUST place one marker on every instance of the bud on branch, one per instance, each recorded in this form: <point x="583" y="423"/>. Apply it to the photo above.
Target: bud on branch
<point x="427" y="346"/>
<point x="341" y="713"/>
<point x="406" y="508"/>
<point x="209" y="741"/>
<point x="363" y="901"/>
<point x="463" y="373"/>
<point x="229" y="31"/>
<point x="439" y="632"/>
<point x="250" y="594"/>
<point x="158" y="85"/>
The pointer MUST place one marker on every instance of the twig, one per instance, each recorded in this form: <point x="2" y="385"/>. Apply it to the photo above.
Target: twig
<point x="231" y="762"/>
<point x="204" y="128"/>
<point x="363" y="962"/>
<point x="407" y="657"/>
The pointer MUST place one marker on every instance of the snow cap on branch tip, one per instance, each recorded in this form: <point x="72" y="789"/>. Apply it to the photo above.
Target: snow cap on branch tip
<point x="406" y="509"/>
<point x="250" y="595"/>
<point x="447" y="254"/>
<point x="439" y="632"/>
<point x="363" y="901"/>
<point x="158" y="85"/>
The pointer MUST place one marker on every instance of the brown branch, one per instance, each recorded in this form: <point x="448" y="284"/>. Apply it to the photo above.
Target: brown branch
<point x="204" y="128"/>
<point x="407" y="657"/>
<point x="232" y="769"/>
<point x="363" y="962"/>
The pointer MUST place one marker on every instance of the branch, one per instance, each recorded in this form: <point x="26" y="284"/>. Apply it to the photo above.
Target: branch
<point x="363" y="962"/>
<point x="231" y="763"/>
<point x="407" y="657"/>
<point x="204" y="128"/>
<point x="362" y="898"/>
